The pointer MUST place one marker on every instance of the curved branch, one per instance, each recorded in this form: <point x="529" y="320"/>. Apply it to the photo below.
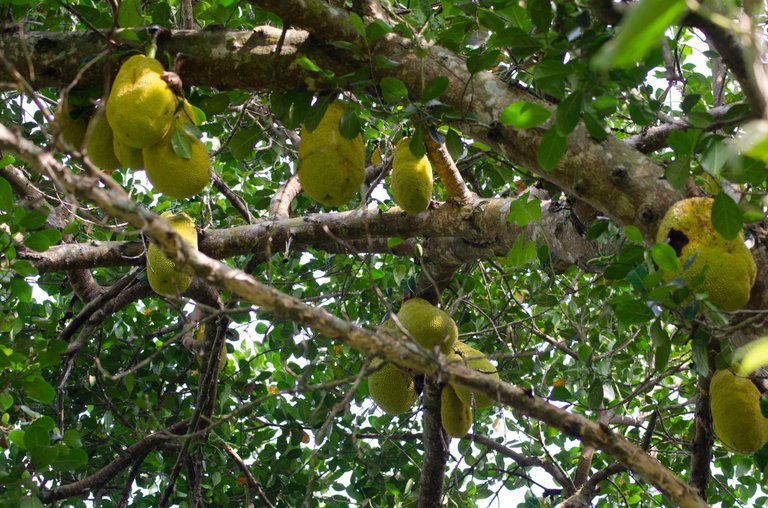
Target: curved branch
<point x="446" y="169"/>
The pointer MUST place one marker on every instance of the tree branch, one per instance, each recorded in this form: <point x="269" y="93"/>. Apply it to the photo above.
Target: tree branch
<point x="435" y="443"/>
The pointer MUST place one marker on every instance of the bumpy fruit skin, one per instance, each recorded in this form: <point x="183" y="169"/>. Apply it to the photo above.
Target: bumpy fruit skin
<point x="728" y="266"/>
<point x="331" y="167"/>
<point x="100" y="149"/>
<point x="735" y="405"/>
<point x="172" y="175"/>
<point x="141" y="106"/>
<point x="475" y="360"/>
<point x="456" y="416"/>
<point x="428" y="325"/>
<point x="72" y="129"/>
<point x="392" y="389"/>
<point x="411" y="179"/>
<point x="200" y="337"/>
<point x="128" y="156"/>
<point x="163" y="277"/>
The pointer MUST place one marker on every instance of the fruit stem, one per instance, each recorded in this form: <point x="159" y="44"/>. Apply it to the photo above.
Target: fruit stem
<point x="152" y="50"/>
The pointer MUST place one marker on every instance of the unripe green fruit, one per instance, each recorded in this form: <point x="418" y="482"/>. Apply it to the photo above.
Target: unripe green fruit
<point x="735" y="405"/>
<point x="411" y="179"/>
<point x="331" y="167"/>
<point x="128" y="156"/>
<point x="163" y="275"/>
<point x="100" y="149"/>
<point x="72" y="129"/>
<point x="455" y="415"/>
<point x="392" y="389"/>
<point x="475" y="360"/>
<point x="175" y="176"/>
<point x="428" y="325"/>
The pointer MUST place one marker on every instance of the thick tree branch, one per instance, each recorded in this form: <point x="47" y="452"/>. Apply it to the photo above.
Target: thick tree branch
<point x="701" y="444"/>
<point x="449" y="174"/>
<point x="435" y="443"/>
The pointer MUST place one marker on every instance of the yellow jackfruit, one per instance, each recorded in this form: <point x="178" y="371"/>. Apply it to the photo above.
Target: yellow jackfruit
<point x="475" y="360"/>
<point x="163" y="276"/>
<point x="728" y="266"/>
<point x="173" y="175"/>
<point x="392" y="389"/>
<point x="735" y="405"/>
<point x="141" y="106"/>
<point x="456" y="416"/>
<point x="331" y="167"/>
<point x="100" y="149"/>
<point x="72" y="122"/>
<point x="200" y="337"/>
<point x="411" y="179"/>
<point x="128" y="156"/>
<point x="428" y="325"/>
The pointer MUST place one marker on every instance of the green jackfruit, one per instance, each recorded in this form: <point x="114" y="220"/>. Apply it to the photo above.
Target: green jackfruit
<point x="456" y="416"/>
<point x="735" y="405"/>
<point x="141" y="106"/>
<point x="331" y="167"/>
<point x="411" y="179"/>
<point x="392" y="389"/>
<point x="727" y="265"/>
<point x="475" y="360"/>
<point x="163" y="276"/>
<point x="100" y="149"/>
<point x="128" y="156"/>
<point x="428" y="325"/>
<point x="73" y="122"/>
<point x="172" y="175"/>
<point x="200" y="337"/>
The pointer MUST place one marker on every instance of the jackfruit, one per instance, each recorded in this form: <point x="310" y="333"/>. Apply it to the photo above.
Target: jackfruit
<point x="475" y="360"/>
<point x="73" y="122"/>
<point x="163" y="276"/>
<point x="735" y="405"/>
<point x="455" y="415"/>
<point x="141" y="105"/>
<point x="411" y="179"/>
<point x="128" y="156"/>
<point x="331" y="167"/>
<point x="200" y="337"/>
<point x="392" y="389"/>
<point x="100" y="149"/>
<point x="428" y="325"/>
<point x="172" y="175"/>
<point x="727" y="265"/>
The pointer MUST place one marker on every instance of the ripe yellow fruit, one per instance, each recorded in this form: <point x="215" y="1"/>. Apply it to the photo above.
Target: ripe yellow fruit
<point x="128" y="156"/>
<point x="200" y="337"/>
<point x="475" y="360"/>
<point x="456" y="416"/>
<point x="141" y="106"/>
<point x="172" y="175"/>
<point x="728" y="266"/>
<point x="331" y="167"/>
<point x="163" y="276"/>
<point x="100" y="149"/>
<point x="72" y="128"/>
<point x="428" y="325"/>
<point x="735" y="405"/>
<point x="411" y="179"/>
<point x="392" y="389"/>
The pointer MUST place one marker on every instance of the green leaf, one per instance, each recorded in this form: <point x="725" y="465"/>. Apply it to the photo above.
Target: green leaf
<point x="632" y="311"/>
<point x="392" y="89"/>
<point x="568" y="114"/>
<point x="541" y="13"/>
<point x="6" y="400"/>
<point x="595" y="395"/>
<point x="633" y="234"/>
<point x="181" y="143"/>
<point x="6" y="196"/>
<point x="665" y="257"/>
<point x="640" y="30"/>
<point x="517" y="42"/>
<point x="307" y="64"/>
<point x="416" y="145"/>
<point x="40" y="241"/>
<point x="72" y="438"/>
<point x="72" y="459"/>
<point x="716" y="157"/>
<point x="524" y="115"/>
<point x="753" y="356"/>
<point x="677" y="173"/>
<point x="36" y="436"/>
<point x="726" y="216"/>
<point x="357" y="23"/>
<point x="482" y="60"/>
<point x="349" y="126"/>
<point x="30" y="501"/>
<point x="551" y="76"/>
<point x="522" y="211"/>
<point x="242" y="144"/>
<point x="376" y="31"/>
<point x="130" y="14"/>
<point x="16" y="436"/>
<point x="753" y="142"/>
<point x="522" y="253"/>
<point x="21" y="290"/>
<point x="434" y="88"/>
<point x="40" y="390"/>
<point x="551" y="149"/>
<point x="34" y="219"/>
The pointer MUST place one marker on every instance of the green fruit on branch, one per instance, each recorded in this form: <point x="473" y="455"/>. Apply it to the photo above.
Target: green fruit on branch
<point x="73" y="122"/>
<point x="392" y="389"/>
<point x="163" y="275"/>
<point x="726" y="266"/>
<point x="141" y="106"/>
<point x="411" y="179"/>
<point x="331" y="167"/>
<point x="735" y="405"/>
<point x="173" y="175"/>
<point x="475" y="360"/>
<point x="128" y="156"/>
<point x="455" y="414"/>
<point x="100" y="147"/>
<point x="429" y="326"/>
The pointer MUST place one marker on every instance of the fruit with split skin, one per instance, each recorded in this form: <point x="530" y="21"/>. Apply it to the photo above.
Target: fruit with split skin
<point x="163" y="275"/>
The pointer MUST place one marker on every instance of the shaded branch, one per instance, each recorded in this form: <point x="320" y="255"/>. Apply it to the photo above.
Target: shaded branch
<point x="435" y="443"/>
<point x="701" y="444"/>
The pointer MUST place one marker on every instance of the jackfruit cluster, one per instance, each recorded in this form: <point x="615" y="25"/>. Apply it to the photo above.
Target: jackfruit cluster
<point x="429" y="326"/>
<point x="726" y="266"/>
<point x="331" y="167"/>
<point x="411" y="179"/>
<point x="163" y="275"/>
<point x="735" y="405"/>
<point x="144" y="125"/>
